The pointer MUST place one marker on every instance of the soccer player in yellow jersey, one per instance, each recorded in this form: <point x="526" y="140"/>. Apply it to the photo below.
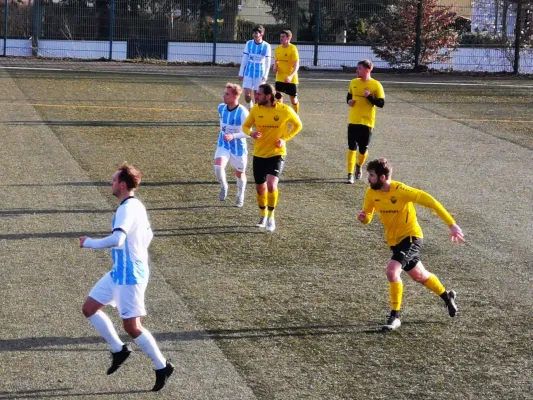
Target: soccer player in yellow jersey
<point x="271" y="120"/>
<point x="364" y="95"/>
<point x="394" y="203"/>
<point x="286" y="68"/>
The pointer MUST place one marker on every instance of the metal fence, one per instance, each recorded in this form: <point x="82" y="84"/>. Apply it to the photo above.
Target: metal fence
<point x="475" y="35"/>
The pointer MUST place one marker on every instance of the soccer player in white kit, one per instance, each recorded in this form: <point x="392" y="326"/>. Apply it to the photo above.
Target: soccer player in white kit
<point x="255" y="65"/>
<point x="232" y="145"/>
<point x="124" y="286"/>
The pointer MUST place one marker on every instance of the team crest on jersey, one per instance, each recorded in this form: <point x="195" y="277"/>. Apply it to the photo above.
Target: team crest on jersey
<point x="276" y="118"/>
<point x="393" y="200"/>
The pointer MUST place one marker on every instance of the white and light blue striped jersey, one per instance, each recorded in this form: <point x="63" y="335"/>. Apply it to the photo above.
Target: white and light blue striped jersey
<point x="231" y="122"/>
<point x="256" y="60"/>
<point x="130" y="260"/>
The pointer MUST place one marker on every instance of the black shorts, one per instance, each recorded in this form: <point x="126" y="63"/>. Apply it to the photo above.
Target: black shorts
<point x="359" y="137"/>
<point x="289" y="88"/>
<point x="407" y="252"/>
<point x="267" y="166"/>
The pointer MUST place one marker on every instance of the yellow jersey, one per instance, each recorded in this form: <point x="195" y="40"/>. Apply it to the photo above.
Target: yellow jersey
<point x="396" y="210"/>
<point x="273" y="123"/>
<point x="363" y="112"/>
<point x="285" y="58"/>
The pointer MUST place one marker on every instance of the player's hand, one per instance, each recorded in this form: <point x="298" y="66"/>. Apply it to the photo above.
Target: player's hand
<point x="280" y="143"/>
<point x="456" y="234"/>
<point x="263" y="80"/>
<point x="256" y="134"/>
<point x="240" y="78"/>
<point x="367" y="93"/>
<point x="288" y="79"/>
<point x="228" y="137"/>
<point x="361" y="216"/>
<point x="82" y="240"/>
<point x="351" y="103"/>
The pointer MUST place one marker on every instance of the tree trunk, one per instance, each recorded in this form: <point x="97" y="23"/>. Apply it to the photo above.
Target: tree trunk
<point x="505" y="10"/>
<point x="229" y="14"/>
<point x="294" y="19"/>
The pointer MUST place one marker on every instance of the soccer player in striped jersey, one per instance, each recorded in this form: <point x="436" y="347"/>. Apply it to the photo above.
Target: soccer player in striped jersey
<point x="125" y="285"/>
<point x="271" y="120"/>
<point x="232" y="144"/>
<point x="255" y="65"/>
<point x="394" y="203"/>
<point x="364" y="95"/>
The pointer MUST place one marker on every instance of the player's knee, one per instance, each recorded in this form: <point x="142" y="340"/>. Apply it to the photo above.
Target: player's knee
<point x="87" y="310"/>
<point x="363" y="149"/>
<point x="261" y="188"/>
<point x="132" y="327"/>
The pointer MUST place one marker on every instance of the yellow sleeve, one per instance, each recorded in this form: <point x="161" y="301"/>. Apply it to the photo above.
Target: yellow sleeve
<point x="250" y="120"/>
<point x="296" y="125"/>
<point x="380" y="94"/>
<point x="425" y="199"/>
<point x="296" y="55"/>
<point x="368" y="207"/>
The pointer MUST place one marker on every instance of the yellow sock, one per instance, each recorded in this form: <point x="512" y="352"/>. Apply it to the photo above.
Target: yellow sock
<point x="350" y="160"/>
<point x="296" y="107"/>
<point x="272" y="201"/>
<point x="262" y="203"/>
<point x="434" y="285"/>
<point x="361" y="158"/>
<point x="395" y="293"/>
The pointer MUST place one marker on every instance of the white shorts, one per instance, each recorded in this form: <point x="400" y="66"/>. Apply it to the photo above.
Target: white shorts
<point x="237" y="162"/>
<point x="251" y="83"/>
<point x="129" y="299"/>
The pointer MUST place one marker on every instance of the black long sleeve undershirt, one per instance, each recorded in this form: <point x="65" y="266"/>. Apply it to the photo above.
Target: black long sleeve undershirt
<point x="376" y="102"/>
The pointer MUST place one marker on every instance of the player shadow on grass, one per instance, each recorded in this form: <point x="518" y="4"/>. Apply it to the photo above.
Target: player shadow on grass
<point x="15" y="212"/>
<point x="64" y="392"/>
<point x="64" y="343"/>
<point x="283" y="181"/>
<point x="168" y="232"/>
<point x="138" y="124"/>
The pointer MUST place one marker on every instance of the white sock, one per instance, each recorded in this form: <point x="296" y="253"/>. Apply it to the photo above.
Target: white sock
<point x="149" y="347"/>
<point x="221" y="175"/>
<point x="105" y="328"/>
<point x="241" y="184"/>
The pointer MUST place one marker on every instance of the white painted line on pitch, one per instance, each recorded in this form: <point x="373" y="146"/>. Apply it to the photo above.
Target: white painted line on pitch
<point x="170" y="73"/>
<point x="37" y="68"/>
<point x="452" y="83"/>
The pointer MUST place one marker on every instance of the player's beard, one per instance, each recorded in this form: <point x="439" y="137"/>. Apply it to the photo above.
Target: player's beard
<point x="376" y="186"/>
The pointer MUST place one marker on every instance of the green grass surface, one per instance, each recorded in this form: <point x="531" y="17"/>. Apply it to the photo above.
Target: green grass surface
<point x="289" y="315"/>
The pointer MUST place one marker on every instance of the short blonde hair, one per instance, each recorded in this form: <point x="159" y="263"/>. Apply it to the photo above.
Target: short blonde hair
<point x="237" y="90"/>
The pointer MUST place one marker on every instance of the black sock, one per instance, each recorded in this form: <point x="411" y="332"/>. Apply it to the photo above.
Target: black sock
<point x="395" y="313"/>
<point x="445" y="297"/>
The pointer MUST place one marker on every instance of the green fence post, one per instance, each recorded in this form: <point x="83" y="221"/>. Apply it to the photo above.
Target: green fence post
<point x="6" y="16"/>
<point x="36" y="28"/>
<point x="215" y="34"/>
<point x="317" y="33"/>
<point x="517" y="35"/>
<point x="418" y="38"/>
<point x="111" y="28"/>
